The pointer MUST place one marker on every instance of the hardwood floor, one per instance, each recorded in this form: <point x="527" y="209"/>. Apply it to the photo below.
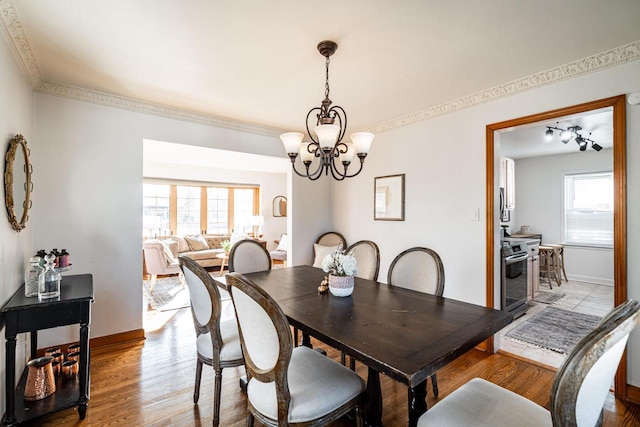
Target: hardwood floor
<point x="151" y="384"/>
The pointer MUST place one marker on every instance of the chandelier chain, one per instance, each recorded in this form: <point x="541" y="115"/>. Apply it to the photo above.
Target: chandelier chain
<point x="326" y="84"/>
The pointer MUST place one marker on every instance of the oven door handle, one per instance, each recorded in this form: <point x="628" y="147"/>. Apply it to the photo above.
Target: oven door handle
<point x="516" y="258"/>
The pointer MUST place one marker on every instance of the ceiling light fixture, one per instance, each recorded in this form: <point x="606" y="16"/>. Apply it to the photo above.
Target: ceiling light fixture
<point x="327" y="146"/>
<point x="572" y="132"/>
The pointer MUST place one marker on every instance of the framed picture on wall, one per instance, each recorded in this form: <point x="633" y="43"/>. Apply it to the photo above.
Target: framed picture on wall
<point x="388" y="198"/>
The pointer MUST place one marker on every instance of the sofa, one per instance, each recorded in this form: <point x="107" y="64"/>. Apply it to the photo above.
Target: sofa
<point x="202" y="249"/>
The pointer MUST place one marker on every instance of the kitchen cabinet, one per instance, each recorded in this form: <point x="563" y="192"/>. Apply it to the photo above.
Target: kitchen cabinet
<point x="533" y="266"/>
<point x="507" y="181"/>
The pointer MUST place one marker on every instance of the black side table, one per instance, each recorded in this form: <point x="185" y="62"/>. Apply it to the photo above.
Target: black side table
<point x="24" y="314"/>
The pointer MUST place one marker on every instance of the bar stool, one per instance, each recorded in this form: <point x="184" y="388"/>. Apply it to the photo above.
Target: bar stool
<point x="549" y="264"/>
<point x="559" y="260"/>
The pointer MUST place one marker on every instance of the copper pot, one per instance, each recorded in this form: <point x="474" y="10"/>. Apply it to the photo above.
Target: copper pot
<point x="40" y="380"/>
<point x="74" y="356"/>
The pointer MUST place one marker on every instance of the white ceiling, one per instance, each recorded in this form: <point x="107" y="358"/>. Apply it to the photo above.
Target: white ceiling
<point x="529" y="140"/>
<point x="256" y="61"/>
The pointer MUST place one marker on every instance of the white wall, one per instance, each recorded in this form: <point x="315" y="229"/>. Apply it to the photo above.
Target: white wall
<point x="89" y="179"/>
<point x="539" y="182"/>
<point x="16" y="117"/>
<point x="271" y="185"/>
<point x="444" y="162"/>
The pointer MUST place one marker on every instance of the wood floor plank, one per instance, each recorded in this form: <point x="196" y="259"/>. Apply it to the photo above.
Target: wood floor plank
<point x="151" y="384"/>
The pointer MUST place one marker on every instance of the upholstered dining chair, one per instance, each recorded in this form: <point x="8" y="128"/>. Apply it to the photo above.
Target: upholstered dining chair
<point x="331" y="238"/>
<point x="287" y="385"/>
<point x="217" y="342"/>
<point x="579" y="390"/>
<point x="249" y="256"/>
<point x="367" y="255"/>
<point x="419" y="269"/>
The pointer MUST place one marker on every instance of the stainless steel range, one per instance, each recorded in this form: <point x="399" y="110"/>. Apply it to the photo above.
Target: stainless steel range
<point x="515" y="279"/>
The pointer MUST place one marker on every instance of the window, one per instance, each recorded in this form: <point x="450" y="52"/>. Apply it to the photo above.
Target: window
<point x="155" y="210"/>
<point x="588" y="208"/>
<point x="185" y="208"/>
<point x="188" y="219"/>
<point x="242" y="209"/>
<point x="217" y="210"/>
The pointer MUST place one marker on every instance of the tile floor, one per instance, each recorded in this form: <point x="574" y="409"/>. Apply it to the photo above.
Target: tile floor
<point x="581" y="297"/>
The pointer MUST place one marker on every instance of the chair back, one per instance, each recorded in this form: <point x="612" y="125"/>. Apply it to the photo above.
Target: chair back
<point x="583" y="381"/>
<point x="248" y="256"/>
<point x="156" y="260"/>
<point x="367" y="255"/>
<point x="419" y="269"/>
<point x="205" y="300"/>
<point x="265" y="336"/>
<point x="332" y="239"/>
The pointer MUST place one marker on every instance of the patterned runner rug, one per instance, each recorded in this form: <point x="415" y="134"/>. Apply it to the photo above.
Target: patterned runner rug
<point x="555" y="329"/>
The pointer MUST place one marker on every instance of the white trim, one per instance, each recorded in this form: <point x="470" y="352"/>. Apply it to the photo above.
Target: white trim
<point x="588" y="279"/>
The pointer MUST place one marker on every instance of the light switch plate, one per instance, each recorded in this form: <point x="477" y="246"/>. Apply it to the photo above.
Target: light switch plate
<point x="474" y="214"/>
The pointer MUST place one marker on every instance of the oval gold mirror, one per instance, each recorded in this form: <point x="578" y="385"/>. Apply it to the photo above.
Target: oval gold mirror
<point x="279" y="206"/>
<point x="17" y="182"/>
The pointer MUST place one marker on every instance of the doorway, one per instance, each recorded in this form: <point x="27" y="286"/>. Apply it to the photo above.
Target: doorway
<point x="619" y="217"/>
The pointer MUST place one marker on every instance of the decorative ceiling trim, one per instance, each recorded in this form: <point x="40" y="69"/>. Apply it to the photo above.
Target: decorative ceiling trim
<point x="17" y="40"/>
<point x="109" y="100"/>
<point x="610" y="58"/>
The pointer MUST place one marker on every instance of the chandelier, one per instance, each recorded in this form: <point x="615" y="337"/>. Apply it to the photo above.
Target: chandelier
<point x="330" y="126"/>
<point x="572" y="132"/>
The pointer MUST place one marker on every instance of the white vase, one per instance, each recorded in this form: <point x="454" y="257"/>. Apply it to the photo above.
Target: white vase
<point x="340" y="286"/>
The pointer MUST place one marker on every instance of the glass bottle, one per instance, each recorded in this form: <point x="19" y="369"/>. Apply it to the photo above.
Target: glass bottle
<point x="51" y="286"/>
<point x="63" y="258"/>
<point x="33" y="278"/>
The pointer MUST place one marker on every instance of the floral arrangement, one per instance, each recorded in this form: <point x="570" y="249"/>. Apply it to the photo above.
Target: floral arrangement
<point x="226" y="246"/>
<point x="340" y="264"/>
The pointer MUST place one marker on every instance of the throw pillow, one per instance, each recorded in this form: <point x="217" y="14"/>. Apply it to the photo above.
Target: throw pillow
<point x="170" y="249"/>
<point x="321" y="252"/>
<point x="284" y="242"/>
<point x="197" y="242"/>
<point x="183" y="246"/>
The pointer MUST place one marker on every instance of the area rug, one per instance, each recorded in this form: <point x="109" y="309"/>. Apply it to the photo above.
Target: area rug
<point x="547" y="297"/>
<point x="555" y="329"/>
<point x="168" y="294"/>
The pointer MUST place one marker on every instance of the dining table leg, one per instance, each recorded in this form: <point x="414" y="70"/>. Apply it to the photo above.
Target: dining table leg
<point x="417" y="402"/>
<point x="374" y="398"/>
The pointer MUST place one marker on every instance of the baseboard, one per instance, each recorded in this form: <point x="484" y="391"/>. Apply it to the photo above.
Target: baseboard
<point x="123" y="338"/>
<point x="633" y="394"/>
<point x="108" y="342"/>
<point x="589" y="279"/>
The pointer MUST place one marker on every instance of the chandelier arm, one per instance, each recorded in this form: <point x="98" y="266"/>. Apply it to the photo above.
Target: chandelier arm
<point x="337" y="109"/>
<point x="337" y="175"/>
<point x="359" y="170"/>
<point x="307" y="124"/>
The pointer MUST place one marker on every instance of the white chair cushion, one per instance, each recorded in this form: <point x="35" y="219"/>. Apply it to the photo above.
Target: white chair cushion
<point x="321" y="252"/>
<point x="318" y="385"/>
<point x="231" y="342"/>
<point x="480" y="403"/>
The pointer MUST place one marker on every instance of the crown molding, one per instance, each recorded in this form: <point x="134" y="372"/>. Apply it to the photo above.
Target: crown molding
<point x="124" y="103"/>
<point x="610" y="58"/>
<point x="17" y="40"/>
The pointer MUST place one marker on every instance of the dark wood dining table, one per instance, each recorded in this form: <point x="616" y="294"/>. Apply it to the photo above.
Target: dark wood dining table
<point x="404" y="334"/>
